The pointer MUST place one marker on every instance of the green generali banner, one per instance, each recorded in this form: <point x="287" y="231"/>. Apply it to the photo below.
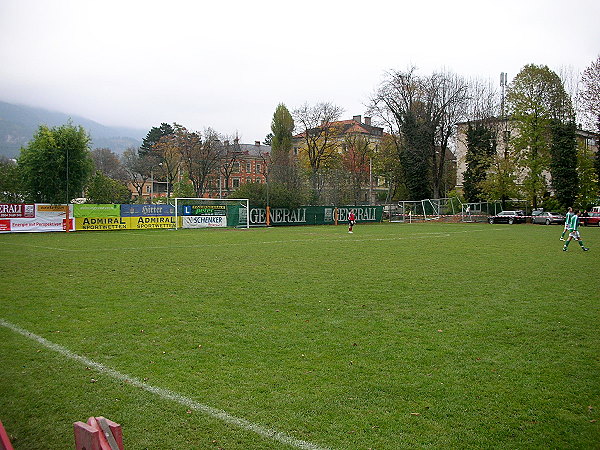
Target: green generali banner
<point x="362" y="213"/>
<point x="97" y="210"/>
<point x="314" y="215"/>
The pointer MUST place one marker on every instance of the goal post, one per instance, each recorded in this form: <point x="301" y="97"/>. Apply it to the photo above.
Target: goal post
<point x="212" y="212"/>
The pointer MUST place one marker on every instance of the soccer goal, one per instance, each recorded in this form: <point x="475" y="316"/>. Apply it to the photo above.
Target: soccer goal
<point x="212" y="212"/>
<point x="408" y="211"/>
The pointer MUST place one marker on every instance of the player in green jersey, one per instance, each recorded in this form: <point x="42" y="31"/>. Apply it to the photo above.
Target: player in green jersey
<point x="574" y="232"/>
<point x="567" y="221"/>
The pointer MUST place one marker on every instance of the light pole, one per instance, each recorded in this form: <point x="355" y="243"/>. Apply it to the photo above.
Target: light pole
<point x="370" y="181"/>
<point x="67" y="218"/>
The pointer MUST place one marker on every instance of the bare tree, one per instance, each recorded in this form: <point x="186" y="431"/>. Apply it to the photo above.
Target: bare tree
<point x="355" y="161"/>
<point x="168" y="153"/>
<point x="108" y="163"/>
<point x="201" y="156"/>
<point x="451" y="99"/>
<point x="423" y="112"/>
<point x="138" y="168"/>
<point x="589" y="95"/>
<point x="320" y="136"/>
<point x="231" y="153"/>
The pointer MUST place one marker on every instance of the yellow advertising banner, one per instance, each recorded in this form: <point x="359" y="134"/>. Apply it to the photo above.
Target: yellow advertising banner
<point x="101" y="223"/>
<point x="123" y="223"/>
<point x="51" y="208"/>
<point x="145" y="223"/>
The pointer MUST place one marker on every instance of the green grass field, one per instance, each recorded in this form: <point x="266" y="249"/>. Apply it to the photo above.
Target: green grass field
<point x="396" y="336"/>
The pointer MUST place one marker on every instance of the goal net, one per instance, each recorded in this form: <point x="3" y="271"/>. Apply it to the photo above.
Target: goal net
<point x="407" y="211"/>
<point x="212" y="212"/>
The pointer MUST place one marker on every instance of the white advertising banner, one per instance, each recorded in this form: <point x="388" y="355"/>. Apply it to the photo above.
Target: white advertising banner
<point x="204" y="221"/>
<point x="41" y="217"/>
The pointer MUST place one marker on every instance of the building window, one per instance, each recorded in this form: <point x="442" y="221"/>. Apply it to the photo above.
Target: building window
<point x="148" y="190"/>
<point x="248" y="167"/>
<point x="235" y="183"/>
<point x="257" y="168"/>
<point x="235" y="167"/>
<point x="248" y="180"/>
<point x="295" y="151"/>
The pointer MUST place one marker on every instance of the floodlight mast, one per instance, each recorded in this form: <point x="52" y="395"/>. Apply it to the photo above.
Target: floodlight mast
<point x="503" y="84"/>
<point x="503" y="78"/>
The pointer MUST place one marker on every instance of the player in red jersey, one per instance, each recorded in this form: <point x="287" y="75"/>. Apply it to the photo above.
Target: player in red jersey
<point x="351" y="220"/>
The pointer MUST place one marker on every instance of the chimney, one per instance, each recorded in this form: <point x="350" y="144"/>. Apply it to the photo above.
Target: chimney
<point x="257" y="143"/>
<point x="367" y="121"/>
<point x="356" y="119"/>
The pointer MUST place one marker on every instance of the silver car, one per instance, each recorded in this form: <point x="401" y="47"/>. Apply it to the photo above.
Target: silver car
<point x="548" y="218"/>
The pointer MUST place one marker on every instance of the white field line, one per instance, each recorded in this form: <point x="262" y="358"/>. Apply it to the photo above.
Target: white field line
<point x="167" y="394"/>
<point x="17" y="244"/>
<point x="342" y="239"/>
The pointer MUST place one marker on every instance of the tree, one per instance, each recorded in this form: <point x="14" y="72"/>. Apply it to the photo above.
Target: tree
<point x="169" y="156"/>
<point x="138" y="168"/>
<point x="563" y="162"/>
<point x="587" y="190"/>
<point x="256" y="193"/>
<point x="56" y="163"/>
<point x="589" y="95"/>
<point x="102" y="189"/>
<point x="281" y="168"/>
<point x="535" y="98"/>
<point x="320" y="136"/>
<point x="451" y="97"/>
<point x="184" y="188"/>
<point x="481" y="149"/>
<point x="279" y="195"/>
<point x="11" y="182"/>
<point x="229" y="161"/>
<point x="356" y="160"/>
<point x="108" y="162"/>
<point x="201" y="156"/>
<point x="486" y="140"/>
<point x="387" y="164"/>
<point x="423" y="112"/>
<point x="268" y="139"/>
<point x="153" y="136"/>
<point x="500" y="183"/>
<point x="597" y="158"/>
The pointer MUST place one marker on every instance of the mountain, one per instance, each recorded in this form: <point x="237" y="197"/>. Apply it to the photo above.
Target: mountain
<point x="19" y="123"/>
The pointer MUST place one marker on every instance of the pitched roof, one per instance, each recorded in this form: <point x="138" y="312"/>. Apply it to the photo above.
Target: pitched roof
<point x="352" y="127"/>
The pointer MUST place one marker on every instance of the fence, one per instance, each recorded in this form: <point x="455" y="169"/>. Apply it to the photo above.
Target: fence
<point x="109" y="217"/>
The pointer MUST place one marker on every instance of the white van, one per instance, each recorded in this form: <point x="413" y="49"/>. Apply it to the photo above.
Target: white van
<point x="596" y="209"/>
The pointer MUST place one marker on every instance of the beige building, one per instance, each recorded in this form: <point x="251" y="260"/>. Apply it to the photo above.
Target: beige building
<point x="343" y="130"/>
<point x="504" y="131"/>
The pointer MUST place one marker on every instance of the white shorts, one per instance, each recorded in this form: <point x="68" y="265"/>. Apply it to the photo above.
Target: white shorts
<point x="574" y="235"/>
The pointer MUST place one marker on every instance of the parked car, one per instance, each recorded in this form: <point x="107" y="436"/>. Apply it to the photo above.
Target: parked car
<point x="548" y="218"/>
<point x="536" y="212"/>
<point x="509" y="217"/>
<point x="592" y="218"/>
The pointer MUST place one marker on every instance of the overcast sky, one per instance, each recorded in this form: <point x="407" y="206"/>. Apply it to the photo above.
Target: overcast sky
<point x="227" y="64"/>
